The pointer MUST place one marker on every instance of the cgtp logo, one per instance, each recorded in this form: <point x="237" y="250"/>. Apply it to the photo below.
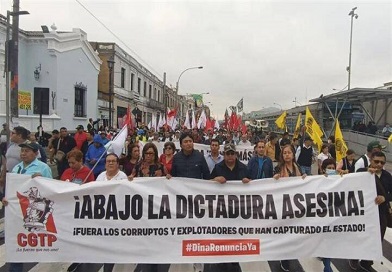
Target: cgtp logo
<point x="38" y="219"/>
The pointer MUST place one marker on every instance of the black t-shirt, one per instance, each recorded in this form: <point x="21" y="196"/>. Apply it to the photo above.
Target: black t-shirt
<point x="238" y="173"/>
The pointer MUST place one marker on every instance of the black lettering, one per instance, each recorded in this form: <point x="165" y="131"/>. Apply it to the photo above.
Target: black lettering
<point x="287" y="210"/>
<point x="87" y="210"/>
<point x="111" y="210"/>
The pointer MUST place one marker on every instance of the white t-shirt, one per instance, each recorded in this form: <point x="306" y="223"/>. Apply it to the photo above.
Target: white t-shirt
<point x="322" y="157"/>
<point x="120" y="175"/>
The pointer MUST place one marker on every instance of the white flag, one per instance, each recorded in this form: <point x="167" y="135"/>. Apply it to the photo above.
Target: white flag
<point x="202" y="120"/>
<point x="154" y="122"/>
<point x="216" y="125"/>
<point x="187" y="122"/>
<point x="162" y="121"/>
<point x="117" y="144"/>
<point x="193" y="119"/>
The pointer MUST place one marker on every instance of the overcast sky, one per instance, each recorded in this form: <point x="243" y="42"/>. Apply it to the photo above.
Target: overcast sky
<point x="264" y="51"/>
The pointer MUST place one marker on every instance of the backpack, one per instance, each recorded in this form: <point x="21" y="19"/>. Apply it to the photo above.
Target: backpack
<point x="365" y="161"/>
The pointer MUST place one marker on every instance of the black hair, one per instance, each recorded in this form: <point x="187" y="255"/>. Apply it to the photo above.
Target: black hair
<point x="184" y="135"/>
<point x="379" y="154"/>
<point x="327" y="162"/>
<point x="23" y="132"/>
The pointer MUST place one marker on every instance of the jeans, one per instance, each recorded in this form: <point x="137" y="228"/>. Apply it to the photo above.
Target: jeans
<point x="327" y="265"/>
<point x="16" y="267"/>
<point x="306" y="170"/>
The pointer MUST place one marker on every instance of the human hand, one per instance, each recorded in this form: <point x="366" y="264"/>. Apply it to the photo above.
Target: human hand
<point x="379" y="199"/>
<point x="246" y="180"/>
<point x="220" y="179"/>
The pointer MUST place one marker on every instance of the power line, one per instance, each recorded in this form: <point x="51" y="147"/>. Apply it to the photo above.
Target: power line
<point x="118" y="38"/>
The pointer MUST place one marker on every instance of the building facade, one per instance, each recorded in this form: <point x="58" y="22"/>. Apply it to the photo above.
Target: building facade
<point x="133" y="85"/>
<point x="57" y="79"/>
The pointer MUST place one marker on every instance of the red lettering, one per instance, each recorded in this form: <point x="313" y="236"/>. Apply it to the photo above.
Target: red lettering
<point x="33" y="239"/>
<point x="22" y="240"/>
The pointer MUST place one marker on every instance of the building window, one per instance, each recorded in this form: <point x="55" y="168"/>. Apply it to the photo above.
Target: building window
<point x="122" y="77"/>
<point x="132" y="79"/>
<point x="139" y="84"/>
<point x="149" y="91"/>
<point x="41" y="101"/>
<point x="80" y="100"/>
<point x="155" y="93"/>
<point x="145" y="89"/>
<point x="159" y="96"/>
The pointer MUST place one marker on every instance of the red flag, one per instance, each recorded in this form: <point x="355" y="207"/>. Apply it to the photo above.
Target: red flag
<point x="128" y="119"/>
<point x="209" y="125"/>
<point x="233" y="121"/>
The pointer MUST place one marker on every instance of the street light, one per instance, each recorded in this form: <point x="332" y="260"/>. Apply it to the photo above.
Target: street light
<point x="352" y="14"/>
<point x="281" y="109"/>
<point x="111" y="63"/>
<point x="7" y="64"/>
<point x="178" y="81"/>
<point x="296" y="102"/>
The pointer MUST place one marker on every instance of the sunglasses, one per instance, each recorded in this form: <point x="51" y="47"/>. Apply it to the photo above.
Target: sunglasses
<point x="377" y="162"/>
<point x="230" y="153"/>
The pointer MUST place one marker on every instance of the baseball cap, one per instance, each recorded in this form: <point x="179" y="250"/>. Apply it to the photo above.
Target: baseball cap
<point x="80" y="127"/>
<point x="229" y="147"/>
<point x="374" y="144"/>
<point x="31" y="145"/>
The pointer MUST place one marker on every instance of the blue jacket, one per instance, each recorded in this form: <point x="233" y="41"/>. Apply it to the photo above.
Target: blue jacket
<point x="95" y="153"/>
<point x="192" y="166"/>
<point x="253" y="168"/>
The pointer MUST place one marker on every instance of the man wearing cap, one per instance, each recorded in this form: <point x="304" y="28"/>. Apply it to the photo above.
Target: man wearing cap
<point x="305" y="155"/>
<point x="229" y="169"/>
<point x="29" y="165"/>
<point x="364" y="160"/>
<point x="80" y="137"/>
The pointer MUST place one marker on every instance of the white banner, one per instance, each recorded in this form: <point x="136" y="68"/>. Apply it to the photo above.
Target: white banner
<point x="244" y="153"/>
<point x="155" y="220"/>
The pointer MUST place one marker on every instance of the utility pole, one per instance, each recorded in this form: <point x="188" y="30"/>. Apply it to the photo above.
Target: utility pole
<point x="14" y="49"/>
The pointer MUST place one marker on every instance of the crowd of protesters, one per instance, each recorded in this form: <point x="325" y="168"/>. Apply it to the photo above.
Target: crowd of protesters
<point x="83" y="157"/>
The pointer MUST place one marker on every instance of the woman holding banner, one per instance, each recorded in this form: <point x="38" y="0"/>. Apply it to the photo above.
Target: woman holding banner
<point x="287" y="167"/>
<point x="149" y="166"/>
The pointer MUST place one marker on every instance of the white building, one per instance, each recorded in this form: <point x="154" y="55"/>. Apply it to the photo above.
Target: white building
<point x="58" y="70"/>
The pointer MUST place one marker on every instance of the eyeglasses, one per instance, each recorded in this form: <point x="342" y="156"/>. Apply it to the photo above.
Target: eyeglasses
<point x="149" y="153"/>
<point x="230" y="153"/>
<point x="111" y="161"/>
<point x="377" y="162"/>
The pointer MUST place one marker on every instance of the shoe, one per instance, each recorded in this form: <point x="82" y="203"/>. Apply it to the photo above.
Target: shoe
<point x="284" y="265"/>
<point x="198" y="267"/>
<point x="365" y="266"/>
<point x="353" y="264"/>
<point x="73" y="267"/>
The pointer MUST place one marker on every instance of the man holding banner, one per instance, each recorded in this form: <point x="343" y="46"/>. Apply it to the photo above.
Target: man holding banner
<point x="229" y="169"/>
